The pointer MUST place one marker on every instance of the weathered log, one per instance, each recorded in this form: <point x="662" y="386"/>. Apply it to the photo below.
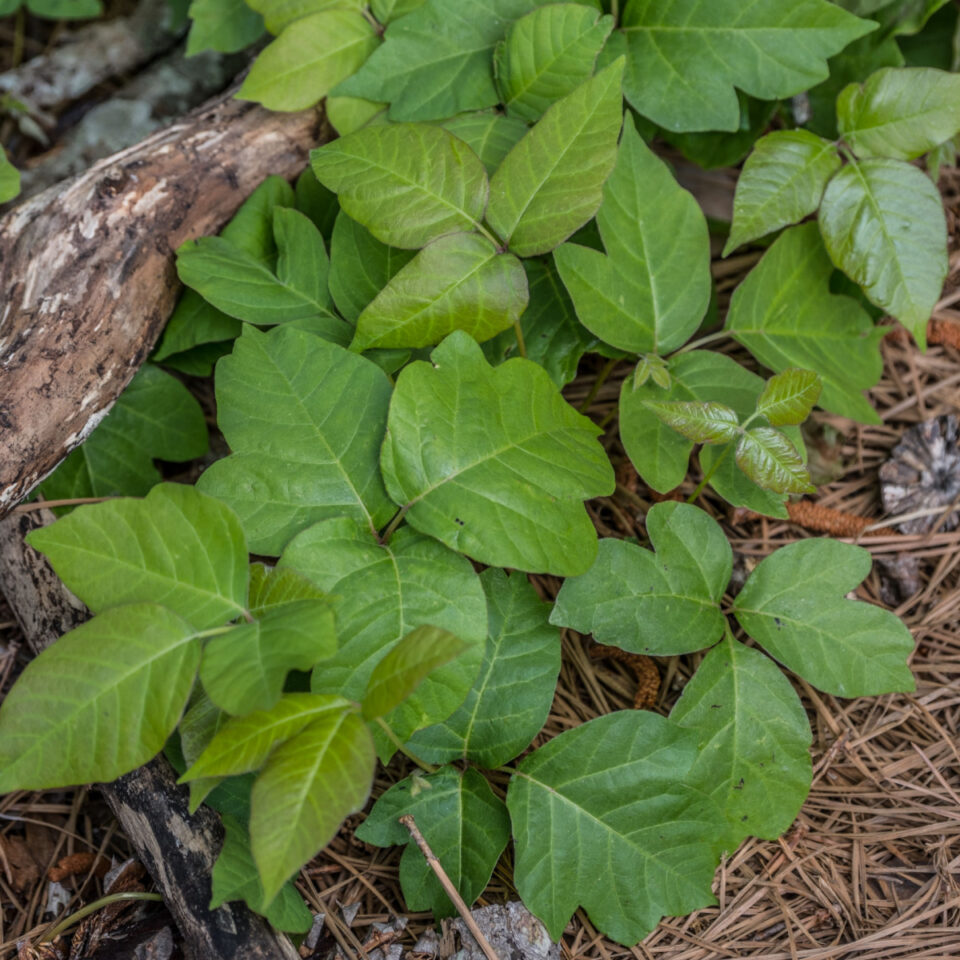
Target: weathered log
<point x="177" y="849"/>
<point x="87" y="274"/>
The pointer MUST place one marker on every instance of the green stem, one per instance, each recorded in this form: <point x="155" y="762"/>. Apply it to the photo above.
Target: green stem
<point x="218" y="631"/>
<point x="409" y="754"/>
<point x="499" y="244"/>
<point x="709" y="338"/>
<point x="615" y="12"/>
<point x="19" y="34"/>
<point x="709" y="476"/>
<point x="597" y="384"/>
<point x="393" y="524"/>
<point x="521" y="343"/>
<point x="67" y="922"/>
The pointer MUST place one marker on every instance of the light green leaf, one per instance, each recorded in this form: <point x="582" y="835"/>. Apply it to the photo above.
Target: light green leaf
<point x="198" y="726"/>
<point x="387" y="11"/>
<point x="279" y="14"/>
<point x="771" y="461"/>
<point x="271" y="588"/>
<point x="510" y="700"/>
<point x="699" y="422"/>
<point x="546" y="55"/>
<point x="305" y="420"/>
<point x="781" y="182"/>
<point x="601" y="818"/>
<point x="100" y="702"/>
<point x="349" y="114"/>
<point x="551" y="182"/>
<point x="900" y="113"/>
<point x="491" y="136"/>
<point x="650" y="290"/>
<point x="244" y="669"/>
<point x="688" y="56"/>
<point x="360" y="266"/>
<point x="465" y="824"/>
<point x="883" y="225"/>
<point x="406" y="183"/>
<point x="9" y="178"/>
<point x="194" y="323"/>
<point x="459" y="282"/>
<point x="793" y="604"/>
<point x="786" y="316"/>
<point x="309" y="785"/>
<point x="506" y="465"/>
<point x="308" y="60"/>
<point x="176" y="547"/>
<point x="659" y="603"/>
<point x="788" y="397"/>
<point x="65" y="9"/>
<point x="753" y="757"/>
<point x="222" y="25"/>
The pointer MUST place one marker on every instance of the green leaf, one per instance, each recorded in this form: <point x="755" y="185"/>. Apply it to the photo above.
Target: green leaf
<point x="309" y="59"/>
<point x="198" y="726"/>
<point x="222" y="25"/>
<point x="771" y="461"/>
<point x="686" y="57"/>
<point x="781" y="182"/>
<point x="9" y="178"/>
<point x="194" y="323"/>
<point x="546" y="55"/>
<point x="349" y="114"/>
<point x="465" y="824"/>
<point x="900" y="113"/>
<point x="699" y="422"/>
<point x="660" y="603"/>
<point x="271" y="588"/>
<point x="65" y="9"/>
<point x="406" y="666"/>
<point x="788" y="397"/>
<point x="302" y="262"/>
<point x="305" y="419"/>
<point x="793" y="604"/>
<point x="234" y="877"/>
<point x="754" y="752"/>
<point x="380" y="592"/>
<point x="156" y="416"/>
<point x="360" y="266"/>
<point x="309" y="785"/>
<point x="176" y="547"/>
<point x="786" y="316"/>
<point x="279" y="14"/>
<point x="506" y="465"/>
<point x="387" y="11"/>
<point x="459" y="282"/>
<point x="491" y="136"/>
<point x="244" y="669"/>
<point x="883" y="225"/>
<point x="650" y="290"/>
<point x="511" y="698"/>
<point x="100" y="702"/>
<point x="551" y="182"/>
<point x="318" y="203"/>
<point x="406" y="183"/>
<point x="601" y="818"/>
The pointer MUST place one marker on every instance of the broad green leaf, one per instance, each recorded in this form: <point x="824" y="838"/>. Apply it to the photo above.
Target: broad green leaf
<point x="900" y="113"/>
<point x="510" y="700"/>
<point x="198" y="726"/>
<point x="65" y="9"/>
<point x="382" y="592"/>
<point x="406" y="183"/>
<point x="318" y="203"/>
<point x="279" y="14"/>
<point x="9" y="178"/>
<point x="100" y="702"/>
<point x="650" y="290"/>
<point x="793" y="604"/>
<point x="349" y="114"/>
<point x="459" y="282"/>
<point x="177" y="547"/>
<point x="309" y="59"/>
<point x="194" y="323"/>
<point x="387" y="11"/>
<point x="730" y="481"/>
<point x="788" y="397"/>
<point x="406" y="666"/>
<point x="305" y="419"/>
<point x="662" y="602"/>
<point x="222" y="25"/>
<point x="552" y="334"/>
<point x="271" y="588"/>
<point x="754" y="753"/>
<point x="771" y="461"/>
<point x="908" y="17"/>
<point x="244" y="669"/>
<point x="465" y="824"/>
<point x="309" y="785"/>
<point x="601" y="818"/>
<point x="781" y="182"/>
<point x="699" y="422"/>
<point x="686" y="57"/>
<point x="156" y="416"/>
<point x="360" y="266"/>
<point x="234" y="877"/>
<point x="546" y="55"/>
<point x="786" y="316"/>
<point x="302" y="262"/>
<point x="551" y="182"/>
<point x="883" y="225"/>
<point x="493" y="462"/>
<point x="242" y="744"/>
<point x="490" y="135"/>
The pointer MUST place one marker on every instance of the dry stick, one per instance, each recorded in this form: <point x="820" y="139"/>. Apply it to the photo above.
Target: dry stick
<point x="451" y="891"/>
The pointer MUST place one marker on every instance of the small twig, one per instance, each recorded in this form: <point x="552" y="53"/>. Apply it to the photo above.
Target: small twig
<point x="68" y="922"/>
<point x="451" y="891"/>
<point x="50" y="504"/>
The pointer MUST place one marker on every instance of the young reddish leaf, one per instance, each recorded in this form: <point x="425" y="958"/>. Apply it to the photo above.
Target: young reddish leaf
<point x="771" y="461"/>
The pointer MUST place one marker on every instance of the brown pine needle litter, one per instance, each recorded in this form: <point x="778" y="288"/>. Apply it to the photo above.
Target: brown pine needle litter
<point x="870" y="869"/>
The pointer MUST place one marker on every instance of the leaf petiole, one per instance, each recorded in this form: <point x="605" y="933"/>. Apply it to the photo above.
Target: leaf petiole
<point x="709" y="476"/>
<point x="409" y="754"/>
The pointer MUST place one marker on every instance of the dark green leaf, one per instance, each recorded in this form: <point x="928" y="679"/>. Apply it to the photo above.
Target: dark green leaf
<point x="222" y="25"/>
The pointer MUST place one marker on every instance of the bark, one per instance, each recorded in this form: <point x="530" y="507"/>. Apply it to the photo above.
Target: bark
<point x="177" y="849"/>
<point x="87" y="277"/>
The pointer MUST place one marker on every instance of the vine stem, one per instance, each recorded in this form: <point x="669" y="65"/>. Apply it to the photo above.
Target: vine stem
<point x="67" y="922"/>
<point x="521" y="343"/>
<point x="597" y="384"/>
<point x="393" y="524"/>
<point x="709" y="338"/>
<point x="708" y="477"/>
<point x="409" y="754"/>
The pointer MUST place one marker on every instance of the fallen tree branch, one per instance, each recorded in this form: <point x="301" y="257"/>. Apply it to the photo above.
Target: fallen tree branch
<point x="177" y="849"/>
